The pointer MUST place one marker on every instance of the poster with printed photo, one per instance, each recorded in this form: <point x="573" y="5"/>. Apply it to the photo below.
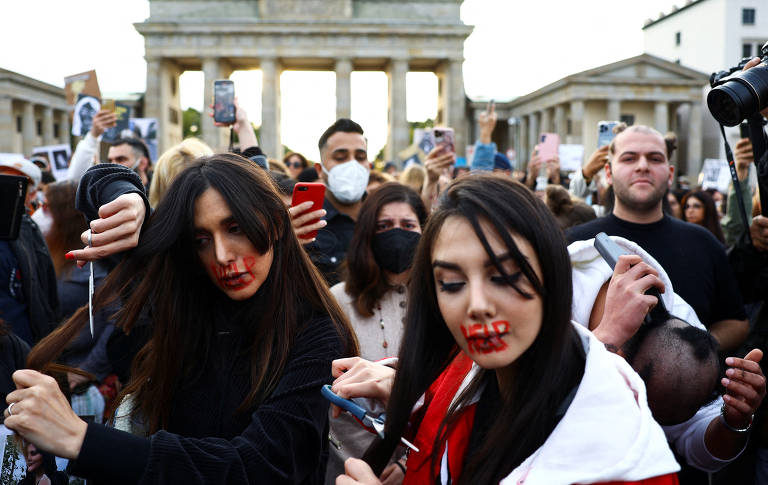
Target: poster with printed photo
<point x="22" y="467"/>
<point x="58" y="157"/>
<point x="146" y="129"/>
<point x="82" y="117"/>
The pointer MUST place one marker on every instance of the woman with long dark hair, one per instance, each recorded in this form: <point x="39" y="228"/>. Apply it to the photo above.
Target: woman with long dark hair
<point x="243" y="332"/>
<point x="699" y="208"/>
<point x="373" y="294"/>
<point x="512" y="390"/>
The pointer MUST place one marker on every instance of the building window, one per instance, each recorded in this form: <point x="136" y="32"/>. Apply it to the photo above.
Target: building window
<point x="568" y="127"/>
<point x="39" y="127"/>
<point x="746" y="50"/>
<point x="748" y="16"/>
<point x="18" y="124"/>
<point x="55" y="130"/>
<point x="677" y="38"/>
<point x="628" y="119"/>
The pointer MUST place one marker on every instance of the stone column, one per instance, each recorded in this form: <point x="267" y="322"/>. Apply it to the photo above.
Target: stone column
<point x="397" y="138"/>
<point x="522" y="148"/>
<point x="28" y="134"/>
<point x="153" y="102"/>
<point x="270" y="108"/>
<point x="533" y="133"/>
<point x="546" y="121"/>
<point x="577" y="122"/>
<point x="613" y="110"/>
<point x="560" y="127"/>
<point x="48" y="126"/>
<point x="217" y="138"/>
<point x="452" y="102"/>
<point x="343" y="88"/>
<point x="64" y="135"/>
<point x="694" y="140"/>
<point x="7" y="124"/>
<point x="661" y="116"/>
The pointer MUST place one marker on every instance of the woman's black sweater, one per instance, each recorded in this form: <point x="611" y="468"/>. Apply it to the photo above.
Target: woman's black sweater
<point x="282" y="440"/>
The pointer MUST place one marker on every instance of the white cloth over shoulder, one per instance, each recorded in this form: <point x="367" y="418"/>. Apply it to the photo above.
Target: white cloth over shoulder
<point x="590" y="272"/>
<point x="607" y="433"/>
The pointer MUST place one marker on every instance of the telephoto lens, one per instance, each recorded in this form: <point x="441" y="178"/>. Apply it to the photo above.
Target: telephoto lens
<point x="736" y="97"/>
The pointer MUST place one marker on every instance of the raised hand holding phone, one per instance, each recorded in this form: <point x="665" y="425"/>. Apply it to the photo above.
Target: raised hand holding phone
<point x="306" y="210"/>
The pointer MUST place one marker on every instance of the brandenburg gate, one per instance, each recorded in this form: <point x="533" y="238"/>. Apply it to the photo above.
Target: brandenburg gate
<point x="218" y="37"/>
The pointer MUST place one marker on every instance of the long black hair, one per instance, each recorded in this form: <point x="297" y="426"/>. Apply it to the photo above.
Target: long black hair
<point x="164" y="273"/>
<point x="545" y="373"/>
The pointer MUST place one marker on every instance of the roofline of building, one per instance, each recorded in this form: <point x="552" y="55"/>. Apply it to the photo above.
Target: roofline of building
<point x="577" y="76"/>
<point x="670" y="14"/>
<point x="17" y="77"/>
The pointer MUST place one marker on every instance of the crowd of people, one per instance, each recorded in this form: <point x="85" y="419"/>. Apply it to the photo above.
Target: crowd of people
<point x="465" y="305"/>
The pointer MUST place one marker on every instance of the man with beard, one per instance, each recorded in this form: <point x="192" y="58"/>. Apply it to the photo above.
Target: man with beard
<point x="695" y="261"/>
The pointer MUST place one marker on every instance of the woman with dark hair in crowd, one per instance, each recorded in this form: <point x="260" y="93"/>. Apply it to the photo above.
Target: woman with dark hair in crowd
<point x="699" y="208"/>
<point x="295" y="163"/>
<point x="512" y="390"/>
<point x="373" y="294"/>
<point x="243" y="332"/>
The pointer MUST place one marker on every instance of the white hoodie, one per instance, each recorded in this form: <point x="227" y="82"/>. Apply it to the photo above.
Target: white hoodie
<point x="607" y="433"/>
<point x="590" y="272"/>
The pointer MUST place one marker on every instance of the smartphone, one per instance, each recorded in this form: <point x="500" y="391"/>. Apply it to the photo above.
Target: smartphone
<point x="605" y="132"/>
<point x="549" y="143"/>
<point x="13" y="193"/>
<point x="445" y="137"/>
<point x="108" y="105"/>
<point x="306" y="191"/>
<point x="224" y="101"/>
<point x="610" y="251"/>
<point x="744" y="130"/>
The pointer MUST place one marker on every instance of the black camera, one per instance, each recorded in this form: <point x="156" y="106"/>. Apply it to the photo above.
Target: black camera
<point x="738" y="94"/>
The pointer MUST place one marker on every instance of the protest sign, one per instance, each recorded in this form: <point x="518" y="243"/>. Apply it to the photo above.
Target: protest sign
<point x="82" y="118"/>
<point x="123" y="115"/>
<point x="146" y="129"/>
<point x="58" y="158"/>
<point x="84" y="83"/>
<point x="570" y="157"/>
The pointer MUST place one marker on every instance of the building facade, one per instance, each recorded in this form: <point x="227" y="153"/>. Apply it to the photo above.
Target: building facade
<point x="217" y="37"/>
<point x="32" y="113"/>
<point x="639" y="90"/>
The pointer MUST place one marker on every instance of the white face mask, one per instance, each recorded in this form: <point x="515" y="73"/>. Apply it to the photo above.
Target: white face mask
<point x="347" y="181"/>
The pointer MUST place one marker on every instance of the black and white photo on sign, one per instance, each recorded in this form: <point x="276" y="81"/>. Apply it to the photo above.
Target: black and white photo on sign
<point x="85" y="109"/>
<point x="59" y="156"/>
<point x="146" y="129"/>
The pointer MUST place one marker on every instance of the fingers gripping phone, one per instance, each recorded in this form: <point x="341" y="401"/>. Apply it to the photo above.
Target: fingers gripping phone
<point x="307" y="191"/>
<point x="610" y="251"/>
<point x="445" y="137"/>
<point x="224" y="101"/>
<point x="605" y="132"/>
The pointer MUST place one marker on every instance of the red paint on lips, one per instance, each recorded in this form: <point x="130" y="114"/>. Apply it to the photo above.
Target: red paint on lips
<point x="486" y="338"/>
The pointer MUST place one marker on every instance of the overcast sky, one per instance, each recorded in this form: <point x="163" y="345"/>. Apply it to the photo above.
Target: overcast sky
<point x="517" y="46"/>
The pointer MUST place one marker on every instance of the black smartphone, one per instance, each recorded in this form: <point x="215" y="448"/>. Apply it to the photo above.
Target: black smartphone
<point x="224" y="101"/>
<point x="13" y="193"/>
<point x="610" y="251"/>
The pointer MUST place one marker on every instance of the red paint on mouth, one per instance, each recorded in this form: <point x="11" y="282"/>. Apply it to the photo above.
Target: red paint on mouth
<point x="230" y="278"/>
<point x="486" y="338"/>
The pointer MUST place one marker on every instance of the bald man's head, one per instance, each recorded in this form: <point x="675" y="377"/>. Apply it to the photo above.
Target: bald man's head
<point x="679" y="365"/>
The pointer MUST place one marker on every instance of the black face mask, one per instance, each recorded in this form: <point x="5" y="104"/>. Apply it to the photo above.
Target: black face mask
<point x="393" y="249"/>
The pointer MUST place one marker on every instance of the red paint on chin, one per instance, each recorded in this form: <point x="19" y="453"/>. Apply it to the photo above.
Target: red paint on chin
<point x="486" y="338"/>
